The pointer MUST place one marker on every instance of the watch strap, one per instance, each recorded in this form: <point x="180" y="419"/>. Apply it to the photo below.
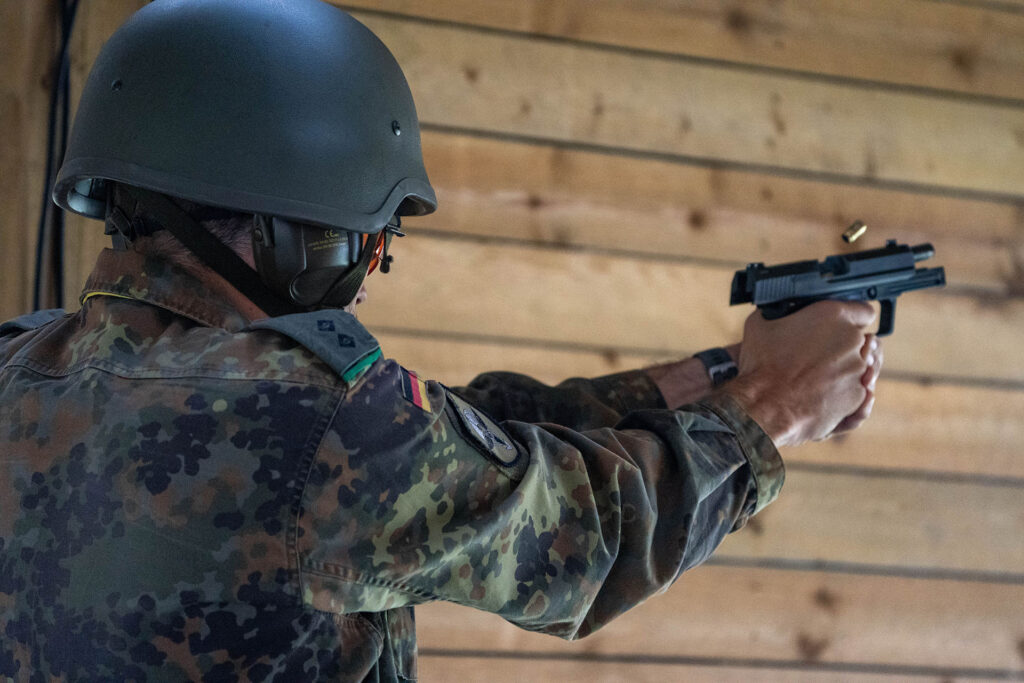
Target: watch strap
<point x="720" y="365"/>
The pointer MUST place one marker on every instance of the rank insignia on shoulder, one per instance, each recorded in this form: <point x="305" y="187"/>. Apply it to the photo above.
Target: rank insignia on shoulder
<point x="484" y="433"/>
<point x="415" y="390"/>
<point x="334" y="336"/>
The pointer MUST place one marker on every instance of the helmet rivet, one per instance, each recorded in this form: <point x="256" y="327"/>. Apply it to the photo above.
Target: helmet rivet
<point x="257" y="234"/>
<point x="116" y="85"/>
<point x="396" y="128"/>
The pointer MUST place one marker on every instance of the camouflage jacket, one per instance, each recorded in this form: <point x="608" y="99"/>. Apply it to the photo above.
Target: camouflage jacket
<point x="188" y="495"/>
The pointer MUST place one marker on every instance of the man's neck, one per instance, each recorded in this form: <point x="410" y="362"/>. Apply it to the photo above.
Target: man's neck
<point x="217" y="284"/>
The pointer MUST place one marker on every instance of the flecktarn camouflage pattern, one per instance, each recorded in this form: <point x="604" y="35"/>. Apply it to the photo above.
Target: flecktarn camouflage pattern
<point x="187" y="496"/>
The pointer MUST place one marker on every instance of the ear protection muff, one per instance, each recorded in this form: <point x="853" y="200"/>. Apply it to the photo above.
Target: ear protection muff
<point x="316" y="267"/>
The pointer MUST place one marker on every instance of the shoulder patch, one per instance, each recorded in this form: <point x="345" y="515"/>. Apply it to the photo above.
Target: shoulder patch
<point x="485" y="434"/>
<point x="31" y="321"/>
<point x="414" y="390"/>
<point x="336" y="337"/>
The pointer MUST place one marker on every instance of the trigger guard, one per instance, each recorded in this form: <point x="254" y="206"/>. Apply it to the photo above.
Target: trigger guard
<point x="887" y="321"/>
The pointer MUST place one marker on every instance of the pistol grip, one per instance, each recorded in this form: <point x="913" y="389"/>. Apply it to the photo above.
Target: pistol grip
<point x="888" y="319"/>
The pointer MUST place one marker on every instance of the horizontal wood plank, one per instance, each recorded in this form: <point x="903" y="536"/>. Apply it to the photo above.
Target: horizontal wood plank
<point x="972" y="49"/>
<point x="781" y="616"/>
<point x="905" y="523"/>
<point x="456" y="361"/>
<point x="522" y="669"/>
<point x="27" y="54"/>
<point x="936" y="428"/>
<point x="569" y="197"/>
<point x="527" y="87"/>
<point x="604" y="301"/>
<point x="14" y="276"/>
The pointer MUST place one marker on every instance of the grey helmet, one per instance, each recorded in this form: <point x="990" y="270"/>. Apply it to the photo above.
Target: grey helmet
<point x="292" y="110"/>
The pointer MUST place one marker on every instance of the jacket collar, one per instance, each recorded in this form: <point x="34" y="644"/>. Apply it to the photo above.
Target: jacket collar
<point x="130" y="275"/>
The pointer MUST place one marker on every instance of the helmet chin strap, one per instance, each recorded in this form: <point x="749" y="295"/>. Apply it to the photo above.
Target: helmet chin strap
<point x="217" y="256"/>
<point x="345" y="289"/>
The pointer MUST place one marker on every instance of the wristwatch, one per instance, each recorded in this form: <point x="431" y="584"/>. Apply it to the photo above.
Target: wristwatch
<point x="721" y="367"/>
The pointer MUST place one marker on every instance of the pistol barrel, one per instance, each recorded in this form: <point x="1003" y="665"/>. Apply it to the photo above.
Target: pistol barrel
<point x="923" y="252"/>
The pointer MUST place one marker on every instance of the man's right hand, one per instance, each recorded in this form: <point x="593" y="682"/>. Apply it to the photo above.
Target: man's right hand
<point x="810" y="374"/>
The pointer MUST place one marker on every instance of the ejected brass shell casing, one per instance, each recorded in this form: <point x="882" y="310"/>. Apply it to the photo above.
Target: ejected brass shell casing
<point x="854" y="232"/>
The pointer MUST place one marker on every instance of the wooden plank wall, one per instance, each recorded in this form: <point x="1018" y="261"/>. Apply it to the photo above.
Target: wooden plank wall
<point x="603" y="166"/>
<point x="28" y="34"/>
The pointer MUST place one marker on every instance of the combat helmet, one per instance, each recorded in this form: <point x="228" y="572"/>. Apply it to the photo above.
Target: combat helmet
<point x="291" y="111"/>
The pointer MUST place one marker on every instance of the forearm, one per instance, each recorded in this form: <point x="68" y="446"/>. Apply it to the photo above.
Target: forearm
<point x="590" y="403"/>
<point x="686" y="381"/>
<point x="576" y="403"/>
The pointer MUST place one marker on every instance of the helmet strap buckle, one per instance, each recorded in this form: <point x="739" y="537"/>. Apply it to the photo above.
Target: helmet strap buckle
<point x="118" y="225"/>
<point x="123" y="230"/>
<point x="391" y="230"/>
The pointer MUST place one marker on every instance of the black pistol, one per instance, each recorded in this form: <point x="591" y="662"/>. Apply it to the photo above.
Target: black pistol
<point x="873" y="275"/>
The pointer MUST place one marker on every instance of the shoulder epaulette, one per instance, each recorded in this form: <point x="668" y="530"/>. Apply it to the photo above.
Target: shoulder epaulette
<point x="336" y="337"/>
<point x="30" y="321"/>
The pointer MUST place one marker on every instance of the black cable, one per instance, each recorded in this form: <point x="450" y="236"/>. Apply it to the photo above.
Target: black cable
<point x="65" y="117"/>
<point x="59" y="104"/>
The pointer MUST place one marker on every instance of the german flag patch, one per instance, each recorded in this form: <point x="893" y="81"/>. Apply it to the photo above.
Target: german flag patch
<point x="415" y="390"/>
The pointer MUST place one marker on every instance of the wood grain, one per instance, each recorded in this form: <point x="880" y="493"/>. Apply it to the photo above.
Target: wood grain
<point x="27" y="53"/>
<point x="521" y="86"/>
<point x="14" y="231"/>
<point x="516" y="669"/>
<point x="520" y="670"/>
<point x="906" y="523"/>
<point x="962" y="48"/>
<point x="783" y="616"/>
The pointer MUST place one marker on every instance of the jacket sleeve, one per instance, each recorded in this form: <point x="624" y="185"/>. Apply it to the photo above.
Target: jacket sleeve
<point x="417" y="495"/>
<point x="576" y="403"/>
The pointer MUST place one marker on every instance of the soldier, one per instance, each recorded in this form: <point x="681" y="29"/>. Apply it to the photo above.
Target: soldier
<point x="210" y="472"/>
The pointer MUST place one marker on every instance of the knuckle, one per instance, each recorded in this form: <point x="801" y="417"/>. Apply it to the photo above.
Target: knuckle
<point x="853" y="338"/>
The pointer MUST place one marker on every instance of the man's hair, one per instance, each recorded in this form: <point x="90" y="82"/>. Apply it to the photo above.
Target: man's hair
<point x="229" y="227"/>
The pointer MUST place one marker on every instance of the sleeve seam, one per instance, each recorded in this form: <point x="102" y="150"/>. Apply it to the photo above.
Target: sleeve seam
<point x="335" y="571"/>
